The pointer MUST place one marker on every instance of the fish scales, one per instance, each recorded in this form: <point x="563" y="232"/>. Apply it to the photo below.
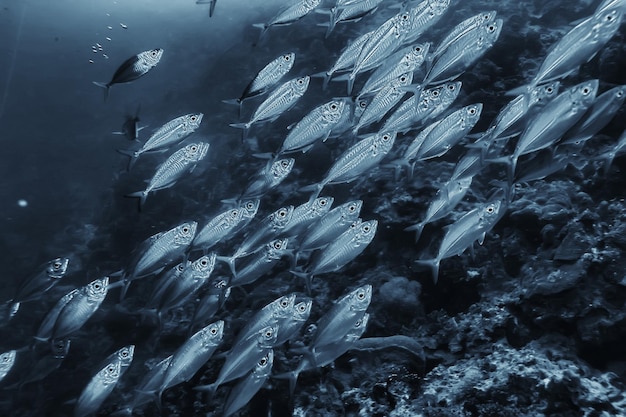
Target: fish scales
<point x="331" y="225"/>
<point x="387" y="97"/>
<point x="464" y="28"/>
<point x="247" y="388"/>
<point x="317" y="124"/>
<point x="269" y="75"/>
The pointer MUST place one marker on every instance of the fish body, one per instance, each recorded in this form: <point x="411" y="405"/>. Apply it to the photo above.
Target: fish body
<point x="80" y="308"/>
<point x="307" y="213"/>
<point x="151" y="382"/>
<point x="133" y="68"/>
<point x="34" y="287"/>
<point x="47" y="325"/>
<point x="192" y="355"/>
<point x="290" y="14"/>
<point x="279" y="101"/>
<point x="347" y="58"/>
<point x="444" y="202"/>
<point x="290" y="326"/>
<point x="273" y="314"/>
<point x="316" y="125"/>
<point x="272" y="174"/>
<point x="167" y="135"/>
<point x="463" y="53"/>
<point x="351" y="12"/>
<point x="449" y="131"/>
<point x="331" y="225"/>
<point x="218" y="228"/>
<point x="424" y="16"/>
<point x="180" y="162"/>
<point x="7" y="360"/>
<point x="261" y="262"/>
<point x="243" y="392"/>
<point x="212" y="300"/>
<point x="384" y="100"/>
<point x="46" y="364"/>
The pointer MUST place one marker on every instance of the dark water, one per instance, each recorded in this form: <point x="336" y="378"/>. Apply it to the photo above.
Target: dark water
<point x="63" y="186"/>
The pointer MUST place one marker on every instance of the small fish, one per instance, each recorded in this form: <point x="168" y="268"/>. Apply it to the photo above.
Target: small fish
<point x="178" y="164"/>
<point x="462" y="29"/>
<point x="307" y="213"/>
<point x="318" y="124"/>
<point x="218" y="228"/>
<point x="331" y="225"/>
<point x="7" y="360"/>
<point x="348" y="246"/>
<point x="80" y="308"/>
<point x="424" y="16"/>
<point x="289" y="15"/>
<point x="243" y="357"/>
<point x="166" y="136"/>
<point x="464" y="232"/>
<point x="46" y="364"/>
<point x="100" y="386"/>
<point x="192" y="355"/>
<point x="213" y="299"/>
<point x="47" y="325"/>
<point x="36" y="286"/>
<point x="346" y="59"/>
<point x="266" y="78"/>
<point x="272" y="174"/>
<point x="133" y="68"/>
<point x="290" y="327"/>
<point x="279" y="101"/>
<point x="351" y="12"/>
<point x="131" y="127"/>
<point x="615" y="150"/>
<point x="445" y="200"/>
<point x="247" y="388"/>
<point x="250" y="209"/>
<point x="356" y="160"/>
<point x="274" y="313"/>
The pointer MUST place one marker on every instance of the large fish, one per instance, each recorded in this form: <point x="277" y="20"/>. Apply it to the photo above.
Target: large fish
<point x="576" y="47"/>
<point x="462" y="29"/>
<point x="167" y="135"/>
<point x="34" y="287"/>
<point x="178" y="164"/>
<point x="243" y="392"/>
<point x="133" y="68"/>
<point x="266" y="78"/>
<point x="289" y="15"/>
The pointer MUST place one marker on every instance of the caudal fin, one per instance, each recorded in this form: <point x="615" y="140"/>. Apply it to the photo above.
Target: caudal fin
<point x="433" y="264"/>
<point x="133" y="155"/>
<point x="142" y="195"/>
<point x="418" y="227"/>
<point x="106" y="87"/>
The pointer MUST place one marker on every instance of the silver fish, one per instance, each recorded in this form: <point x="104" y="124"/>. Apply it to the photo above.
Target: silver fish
<point x="34" y="287"/>
<point x="158" y="251"/>
<point x="554" y="120"/>
<point x="603" y="109"/>
<point x="463" y="53"/>
<point x="267" y="77"/>
<point x="133" y="68"/>
<point x="47" y="325"/>
<point x="445" y="200"/>
<point x="46" y="364"/>
<point x="384" y="100"/>
<point x="167" y="135"/>
<point x="464" y="232"/>
<point x="316" y="125"/>
<point x="243" y="357"/>
<point x="151" y="382"/>
<point x="331" y="225"/>
<point x="348" y="246"/>
<point x="406" y="60"/>
<point x="289" y="15"/>
<point x="7" y="360"/>
<point x="124" y="355"/>
<point x="424" y="16"/>
<point x="80" y="308"/>
<point x="162" y="285"/>
<point x="347" y="58"/>
<point x="269" y="177"/>
<point x="291" y="326"/>
<point x="578" y="46"/>
<point x="342" y="317"/>
<point x="307" y="213"/>
<point x="409" y="157"/>
<point x="279" y="101"/>
<point x="260" y="263"/>
<point x="250" y="208"/>
<point x="449" y="131"/>
<point x="385" y="39"/>
<point x="217" y="228"/>
<point x="325" y="355"/>
<point x="357" y="159"/>
<point x="180" y="162"/>
<point x="274" y="313"/>
<point x="243" y="392"/>
<point x="351" y="12"/>
<point x="615" y="150"/>
<point x="100" y="386"/>
<point x="192" y="355"/>
<point x="212" y="300"/>
<point x="462" y="29"/>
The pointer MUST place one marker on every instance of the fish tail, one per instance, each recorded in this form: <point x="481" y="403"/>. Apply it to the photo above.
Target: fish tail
<point x="433" y="264"/>
<point x="292" y="376"/>
<point x="333" y="21"/>
<point x="133" y="155"/>
<point x="608" y="161"/>
<point x="264" y="27"/>
<point x="142" y="195"/>
<point x="211" y="388"/>
<point x="230" y="260"/>
<point x="418" y="227"/>
<point x="106" y="87"/>
<point x="350" y="82"/>
<point x="212" y="8"/>
<point x="308" y="278"/>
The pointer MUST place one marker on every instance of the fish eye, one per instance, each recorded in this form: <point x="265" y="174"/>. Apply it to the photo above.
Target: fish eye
<point x="586" y="90"/>
<point x="302" y="308"/>
<point x="56" y="265"/>
<point x="451" y="87"/>
<point x="609" y="18"/>
<point x="435" y="93"/>
<point x="249" y="205"/>
<point x="403" y="78"/>
<point x="472" y="111"/>
<point x="180" y="267"/>
<point x="213" y="330"/>
<point x="486" y="16"/>
<point x="193" y="118"/>
<point x="489" y="209"/>
<point x="111" y="369"/>
<point x="234" y="213"/>
<point x="405" y="16"/>
<point x="277" y="245"/>
<point x="204" y="262"/>
<point x="194" y="148"/>
<point x="386" y="137"/>
<point x="285" y="163"/>
<point x="284" y="303"/>
<point x="97" y="286"/>
<point x="263" y="361"/>
<point x="549" y="89"/>
<point x="154" y="53"/>
<point x="360" y="295"/>
<point x="124" y="354"/>
<point x="620" y="94"/>
<point x="366" y="229"/>
<point x="352" y="207"/>
<point x="287" y="57"/>
<point x="282" y="213"/>
<point x="333" y="106"/>
<point x="418" y="49"/>
<point x="323" y="202"/>
<point x="269" y="333"/>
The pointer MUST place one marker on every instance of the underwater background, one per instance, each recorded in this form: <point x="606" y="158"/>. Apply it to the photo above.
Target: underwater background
<point x="532" y="322"/>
